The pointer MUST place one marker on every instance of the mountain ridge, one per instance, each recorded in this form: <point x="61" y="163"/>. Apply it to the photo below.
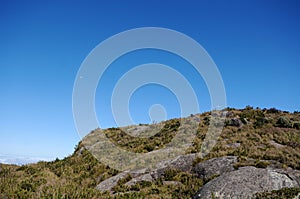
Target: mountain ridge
<point x="259" y="138"/>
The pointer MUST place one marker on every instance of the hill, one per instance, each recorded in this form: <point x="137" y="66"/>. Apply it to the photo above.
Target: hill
<point x="259" y="148"/>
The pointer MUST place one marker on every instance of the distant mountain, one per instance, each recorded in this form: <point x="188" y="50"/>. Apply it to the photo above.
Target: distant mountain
<point x="21" y="160"/>
<point x="255" y="156"/>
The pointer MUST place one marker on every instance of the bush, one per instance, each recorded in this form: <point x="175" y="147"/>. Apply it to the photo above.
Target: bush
<point x="260" y="121"/>
<point x="27" y="186"/>
<point x="262" y="164"/>
<point x="296" y="125"/>
<point x="283" y="122"/>
<point x="273" y="110"/>
<point x="170" y="173"/>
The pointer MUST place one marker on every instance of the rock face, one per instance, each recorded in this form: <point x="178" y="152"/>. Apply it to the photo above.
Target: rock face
<point x="293" y="174"/>
<point x="146" y="177"/>
<point x="230" y="183"/>
<point x="234" y="122"/>
<point x="215" y="166"/>
<point x="182" y="163"/>
<point x="109" y="183"/>
<point x="244" y="183"/>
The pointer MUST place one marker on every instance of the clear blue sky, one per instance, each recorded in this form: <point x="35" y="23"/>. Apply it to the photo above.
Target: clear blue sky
<point x="255" y="44"/>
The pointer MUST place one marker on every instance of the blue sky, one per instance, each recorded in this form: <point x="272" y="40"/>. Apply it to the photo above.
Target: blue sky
<point x="255" y="44"/>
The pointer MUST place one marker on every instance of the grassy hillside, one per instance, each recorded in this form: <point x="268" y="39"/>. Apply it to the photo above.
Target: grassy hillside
<point x="254" y="135"/>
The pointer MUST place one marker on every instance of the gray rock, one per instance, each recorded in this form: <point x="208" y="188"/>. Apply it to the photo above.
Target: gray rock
<point x="233" y="145"/>
<point x="109" y="183"/>
<point x="235" y="122"/>
<point x="182" y="163"/>
<point x="291" y="173"/>
<point x="230" y="114"/>
<point x="244" y="183"/>
<point x="146" y="177"/>
<point x="214" y="166"/>
<point x="276" y="145"/>
<point x="137" y="172"/>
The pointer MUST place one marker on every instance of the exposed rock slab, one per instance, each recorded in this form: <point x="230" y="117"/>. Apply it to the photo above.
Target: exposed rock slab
<point x="244" y="183"/>
<point x="291" y="173"/>
<point x="182" y="163"/>
<point x="109" y="183"/>
<point x="215" y="166"/>
<point x="146" y="177"/>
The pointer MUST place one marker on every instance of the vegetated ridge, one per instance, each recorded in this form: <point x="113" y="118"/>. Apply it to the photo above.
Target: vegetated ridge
<point x="258" y="148"/>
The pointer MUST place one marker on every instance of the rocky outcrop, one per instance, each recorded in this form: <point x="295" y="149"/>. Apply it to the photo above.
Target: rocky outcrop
<point x="215" y="166"/>
<point x="291" y="173"/>
<point x="226" y="181"/>
<point x="276" y="145"/>
<point x="137" y="176"/>
<point x="145" y="177"/>
<point x="234" y="122"/>
<point x="181" y="163"/>
<point x="109" y="183"/>
<point x="245" y="182"/>
<point x="233" y="145"/>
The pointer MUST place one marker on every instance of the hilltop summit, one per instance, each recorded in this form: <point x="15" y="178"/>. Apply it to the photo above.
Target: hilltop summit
<point x="256" y="156"/>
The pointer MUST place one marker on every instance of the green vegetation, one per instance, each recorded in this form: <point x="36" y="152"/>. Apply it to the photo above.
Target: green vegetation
<point x="261" y="138"/>
<point x="143" y="145"/>
<point x="73" y="177"/>
<point x="257" y="136"/>
<point x="285" y="193"/>
<point x="183" y="185"/>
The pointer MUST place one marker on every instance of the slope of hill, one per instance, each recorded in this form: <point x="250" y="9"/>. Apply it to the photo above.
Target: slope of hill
<point x="258" y="141"/>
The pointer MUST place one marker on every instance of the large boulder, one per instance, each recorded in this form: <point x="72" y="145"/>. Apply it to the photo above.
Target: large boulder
<point x="214" y="166"/>
<point x="234" y="122"/>
<point x="244" y="183"/>
<point x="181" y="163"/>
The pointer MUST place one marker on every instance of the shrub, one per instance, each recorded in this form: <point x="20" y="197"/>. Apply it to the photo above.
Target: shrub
<point x="27" y="186"/>
<point x="262" y="164"/>
<point x="260" y="121"/>
<point x="296" y="125"/>
<point x="170" y="173"/>
<point x="283" y="122"/>
<point x="273" y="110"/>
